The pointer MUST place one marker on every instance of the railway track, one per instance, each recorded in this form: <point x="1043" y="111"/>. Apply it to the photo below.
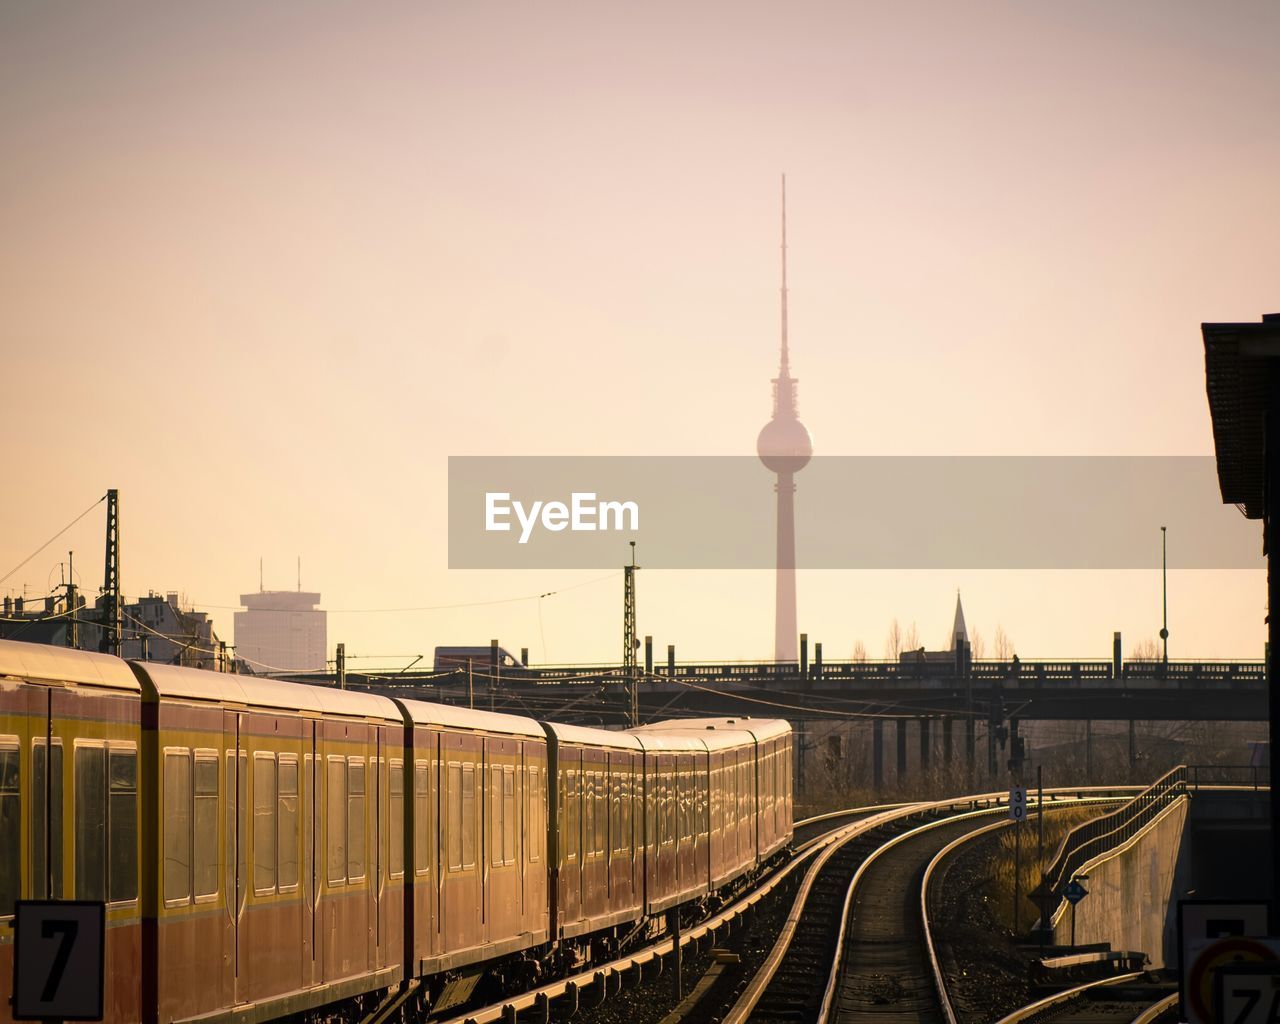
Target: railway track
<point x="1125" y="999"/>
<point x="796" y="982"/>
<point x="857" y="944"/>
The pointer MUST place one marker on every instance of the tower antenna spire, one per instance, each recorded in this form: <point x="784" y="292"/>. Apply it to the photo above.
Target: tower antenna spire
<point x="784" y="369"/>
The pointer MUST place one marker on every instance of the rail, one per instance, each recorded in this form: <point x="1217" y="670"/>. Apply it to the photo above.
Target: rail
<point x="1110" y="831"/>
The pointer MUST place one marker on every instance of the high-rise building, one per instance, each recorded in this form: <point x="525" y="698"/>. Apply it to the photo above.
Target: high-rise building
<point x="282" y="631"/>
<point x="785" y="448"/>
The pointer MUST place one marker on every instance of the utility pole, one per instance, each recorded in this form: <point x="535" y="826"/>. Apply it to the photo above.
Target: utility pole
<point x="629" y="641"/>
<point x="73" y="620"/>
<point x="111" y="607"/>
<point x="340" y="666"/>
<point x="1164" y="594"/>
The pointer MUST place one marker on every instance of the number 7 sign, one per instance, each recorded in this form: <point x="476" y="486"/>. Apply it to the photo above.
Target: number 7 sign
<point x="58" y="962"/>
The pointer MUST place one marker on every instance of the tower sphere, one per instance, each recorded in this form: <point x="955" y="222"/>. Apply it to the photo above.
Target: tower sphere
<point x="784" y="446"/>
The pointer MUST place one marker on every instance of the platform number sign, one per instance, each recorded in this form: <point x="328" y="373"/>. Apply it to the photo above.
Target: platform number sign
<point x="1018" y="803"/>
<point x="58" y="962"/>
<point x="1247" y="993"/>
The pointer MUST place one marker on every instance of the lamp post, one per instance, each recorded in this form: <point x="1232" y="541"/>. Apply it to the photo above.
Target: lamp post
<point x="1164" y="594"/>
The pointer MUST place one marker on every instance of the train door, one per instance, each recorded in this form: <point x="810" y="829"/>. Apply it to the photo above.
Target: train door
<point x="235" y="852"/>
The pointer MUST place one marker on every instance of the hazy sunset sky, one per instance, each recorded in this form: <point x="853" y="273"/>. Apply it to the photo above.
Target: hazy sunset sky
<point x="265" y="267"/>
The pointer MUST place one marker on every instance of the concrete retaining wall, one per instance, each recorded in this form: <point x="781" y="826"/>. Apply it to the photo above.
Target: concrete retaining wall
<point x="1134" y="891"/>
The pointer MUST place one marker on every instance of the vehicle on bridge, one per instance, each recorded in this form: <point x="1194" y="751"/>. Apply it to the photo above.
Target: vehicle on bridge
<point x="266" y="848"/>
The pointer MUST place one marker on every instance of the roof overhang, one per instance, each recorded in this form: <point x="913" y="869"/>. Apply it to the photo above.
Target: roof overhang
<point x="1237" y="365"/>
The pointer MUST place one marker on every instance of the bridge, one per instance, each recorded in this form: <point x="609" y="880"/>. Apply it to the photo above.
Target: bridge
<point x="1030" y="690"/>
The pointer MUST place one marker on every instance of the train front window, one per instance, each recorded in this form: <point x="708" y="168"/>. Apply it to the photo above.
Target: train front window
<point x="39" y="869"/>
<point x="122" y="816"/>
<point x="91" y="823"/>
<point x="10" y="826"/>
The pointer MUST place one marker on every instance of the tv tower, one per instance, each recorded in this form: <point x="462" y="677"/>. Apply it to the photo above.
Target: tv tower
<point x="785" y="448"/>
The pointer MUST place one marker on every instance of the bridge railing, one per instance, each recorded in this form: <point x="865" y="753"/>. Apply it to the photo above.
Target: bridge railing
<point x="1110" y="831"/>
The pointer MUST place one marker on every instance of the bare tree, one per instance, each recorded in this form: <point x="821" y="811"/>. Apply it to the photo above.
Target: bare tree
<point x="1145" y="650"/>
<point x="977" y="646"/>
<point x="859" y="651"/>
<point x="911" y="642"/>
<point x="893" y="645"/>
<point x="1003" y="645"/>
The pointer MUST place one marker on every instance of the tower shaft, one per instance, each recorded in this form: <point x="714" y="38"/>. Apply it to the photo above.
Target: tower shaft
<point x="785" y="625"/>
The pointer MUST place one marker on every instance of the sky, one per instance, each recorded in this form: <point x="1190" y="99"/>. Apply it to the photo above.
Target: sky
<point x="266" y="267"/>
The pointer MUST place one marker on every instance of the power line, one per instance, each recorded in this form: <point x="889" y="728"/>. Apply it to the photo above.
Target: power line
<point x="53" y="538"/>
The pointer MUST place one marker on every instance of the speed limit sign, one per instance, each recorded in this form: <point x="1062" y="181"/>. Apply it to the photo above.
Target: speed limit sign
<point x="58" y="962"/>
<point x="1018" y="803"/>
<point x="1247" y="993"/>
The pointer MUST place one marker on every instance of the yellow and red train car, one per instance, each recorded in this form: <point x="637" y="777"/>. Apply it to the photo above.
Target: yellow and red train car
<point x="267" y="849"/>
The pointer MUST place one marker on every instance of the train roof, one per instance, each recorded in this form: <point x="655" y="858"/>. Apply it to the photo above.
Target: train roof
<point x="47" y="663"/>
<point x="221" y="687"/>
<point x="676" y="739"/>
<point x="424" y="713"/>
<point x="593" y="737"/>
<point x="760" y="728"/>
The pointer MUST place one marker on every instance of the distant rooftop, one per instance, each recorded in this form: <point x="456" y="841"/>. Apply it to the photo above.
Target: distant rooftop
<point x="286" y="600"/>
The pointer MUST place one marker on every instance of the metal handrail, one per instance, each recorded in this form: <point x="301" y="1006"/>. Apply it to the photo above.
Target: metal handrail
<point x="1093" y="838"/>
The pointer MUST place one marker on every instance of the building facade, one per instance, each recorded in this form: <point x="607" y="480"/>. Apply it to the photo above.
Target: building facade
<point x="282" y="631"/>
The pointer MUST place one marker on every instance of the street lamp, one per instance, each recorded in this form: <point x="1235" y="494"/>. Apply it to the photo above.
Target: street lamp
<point x="1164" y="594"/>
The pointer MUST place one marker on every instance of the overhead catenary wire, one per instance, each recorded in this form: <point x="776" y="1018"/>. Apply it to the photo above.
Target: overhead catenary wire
<point x="53" y="538"/>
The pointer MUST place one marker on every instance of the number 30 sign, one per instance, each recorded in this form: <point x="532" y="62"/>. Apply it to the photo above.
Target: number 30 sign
<point x="58" y="959"/>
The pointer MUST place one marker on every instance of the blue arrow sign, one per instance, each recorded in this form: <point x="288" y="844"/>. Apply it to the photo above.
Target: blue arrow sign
<point x="1075" y="892"/>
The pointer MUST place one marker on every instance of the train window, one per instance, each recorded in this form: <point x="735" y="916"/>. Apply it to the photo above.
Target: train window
<point x="497" y="830"/>
<point x="509" y="815"/>
<point x="615" y="812"/>
<point x="589" y="814"/>
<point x="91" y="823"/>
<point x="602" y="815"/>
<point x="10" y="825"/>
<point x="395" y="791"/>
<point x="355" y="818"/>
<point x="454" y="826"/>
<point x="336" y="821"/>
<point x="287" y="823"/>
<point x="571" y="812"/>
<point x="421" y="818"/>
<point x="39" y="870"/>
<point x="469" y="821"/>
<point x="537" y="833"/>
<point x="122" y="817"/>
<point x="264" y="823"/>
<point x="177" y="824"/>
<point x="626" y="797"/>
<point x="205" y="851"/>
<point x="702" y="825"/>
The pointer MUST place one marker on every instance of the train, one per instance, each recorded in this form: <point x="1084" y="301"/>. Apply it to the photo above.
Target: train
<point x="267" y="849"/>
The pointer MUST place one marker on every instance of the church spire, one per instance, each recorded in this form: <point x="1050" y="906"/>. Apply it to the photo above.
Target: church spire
<point x="958" y="627"/>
